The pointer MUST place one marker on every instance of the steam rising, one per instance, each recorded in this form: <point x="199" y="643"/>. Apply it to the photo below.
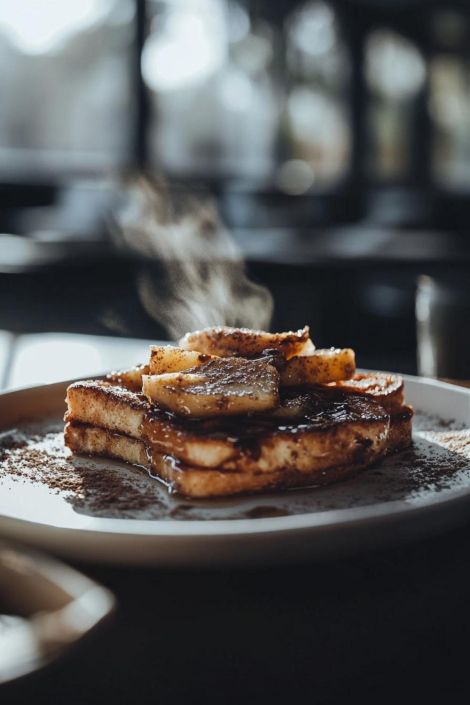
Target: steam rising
<point x="198" y="278"/>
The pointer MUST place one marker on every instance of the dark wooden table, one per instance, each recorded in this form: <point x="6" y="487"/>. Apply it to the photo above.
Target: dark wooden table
<point x="391" y="626"/>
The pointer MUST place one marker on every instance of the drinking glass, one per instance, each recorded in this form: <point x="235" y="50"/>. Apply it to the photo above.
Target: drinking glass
<point x="443" y="326"/>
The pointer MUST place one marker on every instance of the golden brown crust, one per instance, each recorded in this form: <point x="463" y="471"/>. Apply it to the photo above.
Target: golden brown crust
<point x="114" y="393"/>
<point x="201" y="483"/>
<point x="102" y="404"/>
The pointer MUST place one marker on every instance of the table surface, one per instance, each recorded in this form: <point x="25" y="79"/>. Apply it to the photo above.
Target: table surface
<point x="386" y="626"/>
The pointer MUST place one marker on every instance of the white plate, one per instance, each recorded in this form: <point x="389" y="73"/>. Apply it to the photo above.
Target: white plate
<point x="416" y="493"/>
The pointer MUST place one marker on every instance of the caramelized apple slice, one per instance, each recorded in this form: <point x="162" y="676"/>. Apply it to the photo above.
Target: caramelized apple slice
<point x="384" y="388"/>
<point x="308" y="348"/>
<point x="165" y="358"/>
<point x="320" y="367"/>
<point x="216" y="388"/>
<point x="229" y="342"/>
<point x="130" y="379"/>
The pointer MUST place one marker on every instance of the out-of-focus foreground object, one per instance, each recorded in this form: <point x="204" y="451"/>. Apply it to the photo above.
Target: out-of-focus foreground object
<point x="45" y="608"/>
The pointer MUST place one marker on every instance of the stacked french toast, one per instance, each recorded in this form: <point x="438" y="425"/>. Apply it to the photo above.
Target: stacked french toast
<point x="233" y="410"/>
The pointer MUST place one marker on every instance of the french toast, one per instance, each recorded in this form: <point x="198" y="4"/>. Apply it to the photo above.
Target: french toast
<point x="191" y="480"/>
<point x="308" y="434"/>
<point x="199" y="482"/>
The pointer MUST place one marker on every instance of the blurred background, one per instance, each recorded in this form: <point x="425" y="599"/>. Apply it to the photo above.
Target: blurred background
<point x="333" y="137"/>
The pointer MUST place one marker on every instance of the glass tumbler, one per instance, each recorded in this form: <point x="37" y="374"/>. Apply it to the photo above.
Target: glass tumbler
<point x="443" y="326"/>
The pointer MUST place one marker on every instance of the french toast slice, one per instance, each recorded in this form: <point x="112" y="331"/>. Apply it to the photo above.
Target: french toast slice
<point x="329" y="428"/>
<point x="388" y="391"/>
<point x="106" y="405"/>
<point x="85" y="439"/>
<point x="189" y="480"/>
<point x="118" y="410"/>
<point x="198" y="482"/>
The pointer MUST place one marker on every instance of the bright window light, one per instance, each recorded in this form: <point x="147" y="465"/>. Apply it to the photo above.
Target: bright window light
<point x="40" y="26"/>
<point x="187" y="47"/>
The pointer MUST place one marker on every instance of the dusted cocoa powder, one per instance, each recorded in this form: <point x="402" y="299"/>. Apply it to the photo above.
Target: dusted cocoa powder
<point x="42" y="458"/>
